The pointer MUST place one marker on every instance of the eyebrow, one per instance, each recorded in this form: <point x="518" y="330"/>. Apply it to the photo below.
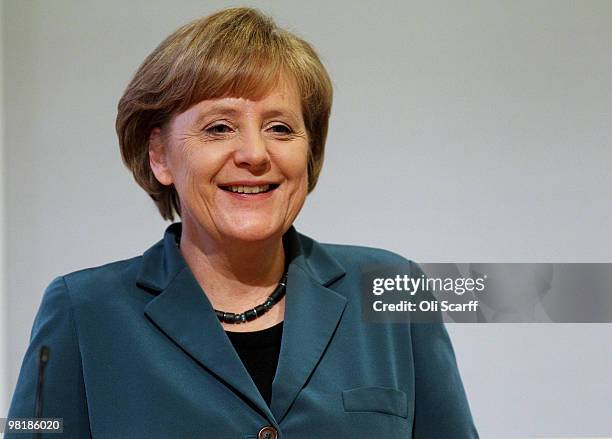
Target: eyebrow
<point x="217" y="109"/>
<point x="281" y="112"/>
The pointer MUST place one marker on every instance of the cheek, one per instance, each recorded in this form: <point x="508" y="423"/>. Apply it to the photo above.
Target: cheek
<point x="194" y="169"/>
<point x="295" y="164"/>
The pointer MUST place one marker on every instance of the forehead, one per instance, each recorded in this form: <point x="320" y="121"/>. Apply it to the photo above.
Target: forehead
<point x="282" y="98"/>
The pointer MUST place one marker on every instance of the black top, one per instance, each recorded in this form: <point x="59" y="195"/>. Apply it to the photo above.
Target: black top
<point x="259" y="351"/>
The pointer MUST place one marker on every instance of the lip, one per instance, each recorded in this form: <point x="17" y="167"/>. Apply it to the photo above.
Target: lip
<point x="249" y="197"/>
<point x="248" y="183"/>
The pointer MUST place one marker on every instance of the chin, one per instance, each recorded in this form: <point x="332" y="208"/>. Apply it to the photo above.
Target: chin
<point x="252" y="231"/>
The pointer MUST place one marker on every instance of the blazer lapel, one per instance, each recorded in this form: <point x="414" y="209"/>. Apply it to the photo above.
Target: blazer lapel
<point x="183" y="312"/>
<point x="312" y="312"/>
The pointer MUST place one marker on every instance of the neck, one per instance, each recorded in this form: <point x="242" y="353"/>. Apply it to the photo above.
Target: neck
<point x="234" y="274"/>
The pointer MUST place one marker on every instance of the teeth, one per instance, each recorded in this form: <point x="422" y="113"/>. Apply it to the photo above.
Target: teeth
<point x="249" y="189"/>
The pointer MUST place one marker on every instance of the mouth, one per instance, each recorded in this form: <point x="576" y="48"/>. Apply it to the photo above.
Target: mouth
<point x="249" y="190"/>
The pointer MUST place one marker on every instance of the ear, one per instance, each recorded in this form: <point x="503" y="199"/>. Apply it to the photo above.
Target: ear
<point x="158" y="157"/>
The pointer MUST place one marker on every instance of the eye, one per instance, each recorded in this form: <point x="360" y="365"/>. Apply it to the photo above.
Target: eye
<point x="219" y="128"/>
<point x="280" y="129"/>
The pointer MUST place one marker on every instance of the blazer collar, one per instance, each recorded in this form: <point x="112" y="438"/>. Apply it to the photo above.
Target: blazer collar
<point x="312" y="313"/>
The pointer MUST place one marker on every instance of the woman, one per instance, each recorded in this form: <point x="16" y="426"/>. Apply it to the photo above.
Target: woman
<point x="234" y="325"/>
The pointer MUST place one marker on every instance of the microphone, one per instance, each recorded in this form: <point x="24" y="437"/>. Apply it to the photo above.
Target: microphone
<point x="43" y="359"/>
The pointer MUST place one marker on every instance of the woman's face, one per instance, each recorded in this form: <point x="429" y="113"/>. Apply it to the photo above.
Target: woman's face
<point x="239" y="166"/>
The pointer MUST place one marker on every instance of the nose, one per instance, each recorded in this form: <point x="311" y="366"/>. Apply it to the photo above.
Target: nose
<point x="252" y="152"/>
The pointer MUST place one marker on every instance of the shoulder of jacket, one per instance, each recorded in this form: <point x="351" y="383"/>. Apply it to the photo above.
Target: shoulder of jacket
<point x="113" y="276"/>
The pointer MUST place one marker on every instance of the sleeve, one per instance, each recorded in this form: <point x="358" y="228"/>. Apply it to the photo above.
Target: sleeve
<point x="64" y="388"/>
<point x="441" y="407"/>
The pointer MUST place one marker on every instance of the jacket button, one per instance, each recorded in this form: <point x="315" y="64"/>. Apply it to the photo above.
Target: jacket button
<point x="267" y="433"/>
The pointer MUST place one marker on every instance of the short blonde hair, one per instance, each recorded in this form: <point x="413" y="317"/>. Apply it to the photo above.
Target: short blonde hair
<point x="236" y="52"/>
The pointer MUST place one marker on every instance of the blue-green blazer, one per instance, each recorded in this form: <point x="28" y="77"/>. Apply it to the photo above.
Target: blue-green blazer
<point x="137" y="352"/>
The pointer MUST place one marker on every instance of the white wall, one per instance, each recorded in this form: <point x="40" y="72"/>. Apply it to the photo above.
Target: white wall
<point x="4" y="391"/>
<point x="461" y="131"/>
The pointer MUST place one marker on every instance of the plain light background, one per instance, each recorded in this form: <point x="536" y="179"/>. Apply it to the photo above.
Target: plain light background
<point x="462" y="131"/>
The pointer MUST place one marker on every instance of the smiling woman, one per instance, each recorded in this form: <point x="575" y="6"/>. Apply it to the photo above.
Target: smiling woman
<point x="221" y="151"/>
<point x="234" y="325"/>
